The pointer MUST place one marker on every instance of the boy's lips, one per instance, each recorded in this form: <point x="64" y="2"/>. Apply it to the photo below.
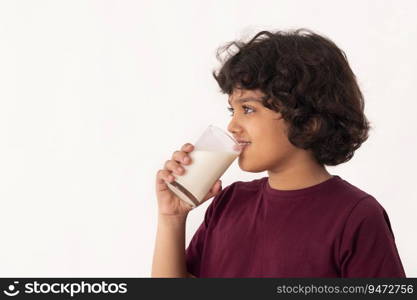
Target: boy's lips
<point x="242" y="146"/>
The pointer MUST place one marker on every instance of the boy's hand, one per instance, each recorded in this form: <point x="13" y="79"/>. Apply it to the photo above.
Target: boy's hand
<point x="168" y="203"/>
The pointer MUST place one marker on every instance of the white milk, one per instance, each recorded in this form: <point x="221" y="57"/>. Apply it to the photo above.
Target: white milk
<point x="206" y="167"/>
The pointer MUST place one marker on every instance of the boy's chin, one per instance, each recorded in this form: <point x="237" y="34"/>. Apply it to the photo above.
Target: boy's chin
<point x="253" y="167"/>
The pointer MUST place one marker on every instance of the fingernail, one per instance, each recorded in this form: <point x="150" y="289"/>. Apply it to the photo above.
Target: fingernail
<point x="186" y="159"/>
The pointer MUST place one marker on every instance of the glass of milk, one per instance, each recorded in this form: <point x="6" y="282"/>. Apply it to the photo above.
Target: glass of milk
<point x="213" y="153"/>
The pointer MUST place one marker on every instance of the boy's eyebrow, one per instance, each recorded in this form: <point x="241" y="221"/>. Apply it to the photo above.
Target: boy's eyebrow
<point x="247" y="99"/>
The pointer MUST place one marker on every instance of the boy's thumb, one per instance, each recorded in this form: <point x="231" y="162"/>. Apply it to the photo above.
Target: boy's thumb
<point x="218" y="187"/>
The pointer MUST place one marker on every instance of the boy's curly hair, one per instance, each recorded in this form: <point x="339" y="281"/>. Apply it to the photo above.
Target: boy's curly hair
<point x="306" y="78"/>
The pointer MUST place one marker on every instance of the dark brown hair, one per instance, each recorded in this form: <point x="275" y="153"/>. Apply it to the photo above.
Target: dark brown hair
<point x="306" y="78"/>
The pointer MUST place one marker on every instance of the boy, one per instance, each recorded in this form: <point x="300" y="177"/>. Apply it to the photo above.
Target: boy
<point x="296" y="105"/>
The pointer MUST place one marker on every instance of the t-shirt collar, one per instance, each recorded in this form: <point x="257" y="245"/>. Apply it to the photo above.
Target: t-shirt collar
<point x="299" y="192"/>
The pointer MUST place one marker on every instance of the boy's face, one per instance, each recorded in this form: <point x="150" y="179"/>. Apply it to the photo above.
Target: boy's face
<point x="270" y="148"/>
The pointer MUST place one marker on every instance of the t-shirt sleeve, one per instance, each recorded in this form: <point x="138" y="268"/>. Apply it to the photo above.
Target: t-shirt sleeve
<point x="194" y="251"/>
<point x="368" y="245"/>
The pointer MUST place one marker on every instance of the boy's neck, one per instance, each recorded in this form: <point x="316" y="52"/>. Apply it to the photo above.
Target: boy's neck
<point x="301" y="174"/>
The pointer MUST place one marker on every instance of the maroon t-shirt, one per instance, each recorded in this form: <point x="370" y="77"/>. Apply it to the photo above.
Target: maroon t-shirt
<point x="332" y="229"/>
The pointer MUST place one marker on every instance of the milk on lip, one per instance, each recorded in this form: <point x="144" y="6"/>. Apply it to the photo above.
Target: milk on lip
<point x="199" y="176"/>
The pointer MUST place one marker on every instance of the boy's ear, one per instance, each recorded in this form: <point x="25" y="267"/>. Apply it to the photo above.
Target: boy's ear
<point x="278" y="116"/>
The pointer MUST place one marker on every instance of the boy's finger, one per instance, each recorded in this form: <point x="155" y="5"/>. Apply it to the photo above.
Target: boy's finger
<point x="188" y="147"/>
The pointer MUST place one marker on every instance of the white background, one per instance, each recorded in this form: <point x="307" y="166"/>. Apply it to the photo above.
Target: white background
<point x="96" y="95"/>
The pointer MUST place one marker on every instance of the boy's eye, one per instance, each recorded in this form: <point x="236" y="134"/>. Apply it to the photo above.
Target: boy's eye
<point x="246" y="108"/>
